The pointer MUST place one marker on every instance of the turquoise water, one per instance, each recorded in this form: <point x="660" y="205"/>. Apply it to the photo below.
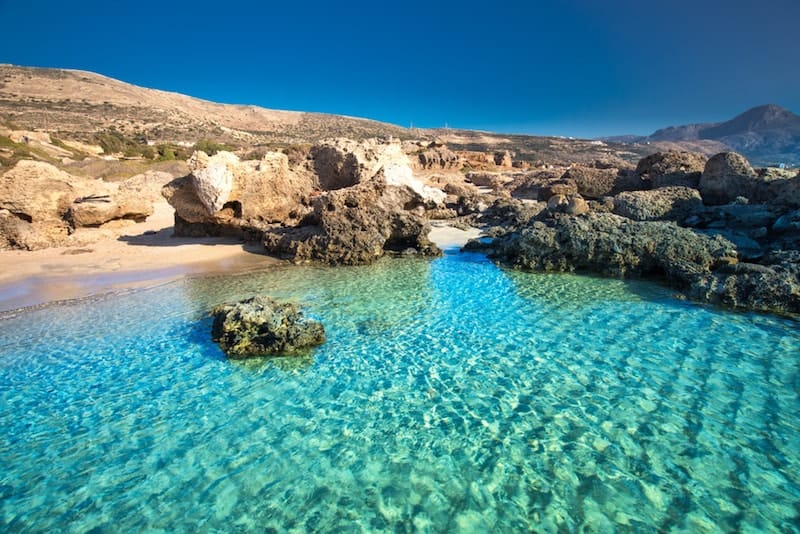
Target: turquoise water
<point x="451" y="396"/>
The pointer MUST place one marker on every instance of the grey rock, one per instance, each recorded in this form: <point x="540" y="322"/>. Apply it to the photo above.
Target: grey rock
<point x="669" y="169"/>
<point x="260" y="326"/>
<point x="672" y="203"/>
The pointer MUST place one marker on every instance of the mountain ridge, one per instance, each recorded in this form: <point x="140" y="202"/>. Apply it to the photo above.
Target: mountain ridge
<point x="767" y="134"/>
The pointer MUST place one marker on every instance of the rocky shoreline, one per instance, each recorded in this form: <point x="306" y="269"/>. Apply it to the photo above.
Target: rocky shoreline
<point x="715" y="229"/>
<point x="733" y="239"/>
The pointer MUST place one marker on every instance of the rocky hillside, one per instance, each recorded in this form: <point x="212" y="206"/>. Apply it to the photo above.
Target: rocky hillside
<point x="77" y="105"/>
<point x="767" y="135"/>
<point x="123" y="119"/>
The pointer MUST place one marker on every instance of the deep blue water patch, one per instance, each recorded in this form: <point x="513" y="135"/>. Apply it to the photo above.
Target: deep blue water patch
<point x="450" y="395"/>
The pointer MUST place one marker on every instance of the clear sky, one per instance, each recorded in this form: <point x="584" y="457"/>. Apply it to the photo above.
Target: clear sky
<point x="570" y="67"/>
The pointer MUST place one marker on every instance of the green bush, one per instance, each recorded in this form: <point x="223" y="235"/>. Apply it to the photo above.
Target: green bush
<point x="211" y="147"/>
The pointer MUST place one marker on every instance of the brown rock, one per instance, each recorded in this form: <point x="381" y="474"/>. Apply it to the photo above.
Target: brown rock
<point x="224" y="190"/>
<point x="726" y="176"/>
<point x="667" y="169"/>
<point x="503" y="158"/>
<point x="596" y="183"/>
<point x="355" y="225"/>
<point x="51" y="202"/>
<point x="439" y="158"/>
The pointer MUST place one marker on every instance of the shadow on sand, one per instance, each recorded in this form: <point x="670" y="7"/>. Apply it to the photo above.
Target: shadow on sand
<point x="166" y="238"/>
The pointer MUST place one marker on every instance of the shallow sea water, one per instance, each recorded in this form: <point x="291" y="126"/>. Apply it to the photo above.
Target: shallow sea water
<point x="451" y="395"/>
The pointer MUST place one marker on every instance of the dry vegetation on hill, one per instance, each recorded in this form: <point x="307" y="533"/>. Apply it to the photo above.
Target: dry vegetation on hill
<point x="134" y="122"/>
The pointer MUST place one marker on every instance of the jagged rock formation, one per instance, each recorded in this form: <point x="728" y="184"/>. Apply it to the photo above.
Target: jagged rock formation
<point x="358" y="201"/>
<point x="609" y="244"/>
<point x="41" y="205"/>
<point x="733" y="242"/>
<point x="260" y="326"/>
<point x="355" y="225"/>
<point x="225" y="195"/>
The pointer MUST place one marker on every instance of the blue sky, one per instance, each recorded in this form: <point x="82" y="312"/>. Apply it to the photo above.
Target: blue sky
<point x="571" y="67"/>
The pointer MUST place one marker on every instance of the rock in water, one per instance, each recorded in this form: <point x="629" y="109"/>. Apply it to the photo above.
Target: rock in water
<point x="260" y="326"/>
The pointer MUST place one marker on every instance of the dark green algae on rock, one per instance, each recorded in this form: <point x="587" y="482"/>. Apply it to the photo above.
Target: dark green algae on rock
<point x="261" y="326"/>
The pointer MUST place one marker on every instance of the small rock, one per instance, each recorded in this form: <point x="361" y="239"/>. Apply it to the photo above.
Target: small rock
<point x="260" y="326"/>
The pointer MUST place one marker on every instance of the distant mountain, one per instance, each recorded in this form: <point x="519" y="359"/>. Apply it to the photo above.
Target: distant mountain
<point x="766" y="135"/>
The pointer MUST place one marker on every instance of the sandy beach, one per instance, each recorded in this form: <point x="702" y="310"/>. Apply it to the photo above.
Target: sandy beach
<point x="140" y="254"/>
<point x="133" y="255"/>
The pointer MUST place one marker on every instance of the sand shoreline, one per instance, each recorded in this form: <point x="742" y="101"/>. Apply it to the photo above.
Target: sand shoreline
<point x="141" y="255"/>
<point x="135" y="255"/>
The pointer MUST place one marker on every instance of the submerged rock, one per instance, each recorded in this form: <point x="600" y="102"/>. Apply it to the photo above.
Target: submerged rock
<point x="261" y="326"/>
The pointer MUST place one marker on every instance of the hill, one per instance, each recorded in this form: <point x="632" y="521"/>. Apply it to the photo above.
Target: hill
<point x="77" y="105"/>
<point x="766" y="135"/>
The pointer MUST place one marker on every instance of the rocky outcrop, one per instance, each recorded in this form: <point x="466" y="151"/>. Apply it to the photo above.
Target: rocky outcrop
<point x="495" y="180"/>
<point x="612" y="245"/>
<point x="596" y="183"/>
<point x="726" y="176"/>
<point x="355" y="225"/>
<point x="570" y="204"/>
<point x="666" y="203"/>
<point x="671" y="169"/>
<point x="38" y="196"/>
<point x="503" y="158"/>
<point x="773" y="287"/>
<point x="532" y="185"/>
<point x="340" y="163"/>
<point x="42" y="205"/>
<point x="225" y="193"/>
<point x="439" y="157"/>
<point x="260" y="326"/>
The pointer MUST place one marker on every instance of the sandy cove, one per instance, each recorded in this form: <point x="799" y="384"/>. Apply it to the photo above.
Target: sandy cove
<point x="137" y="255"/>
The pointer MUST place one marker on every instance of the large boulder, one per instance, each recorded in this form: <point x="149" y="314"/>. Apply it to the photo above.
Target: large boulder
<point x="596" y="183"/>
<point x="260" y="326"/>
<point x="340" y="163"/>
<point x="609" y="244"/>
<point x="40" y="195"/>
<point x="666" y="203"/>
<point x="673" y="168"/>
<point x="49" y="203"/>
<point x="355" y="225"/>
<point x="726" y="176"/>
<point x="224" y="191"/>
<point x="120" y="204"/>
<point x="530" y="185"/>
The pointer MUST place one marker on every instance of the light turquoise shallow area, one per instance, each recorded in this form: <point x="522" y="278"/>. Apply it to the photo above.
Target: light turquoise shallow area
<point x="451" y="396"/>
